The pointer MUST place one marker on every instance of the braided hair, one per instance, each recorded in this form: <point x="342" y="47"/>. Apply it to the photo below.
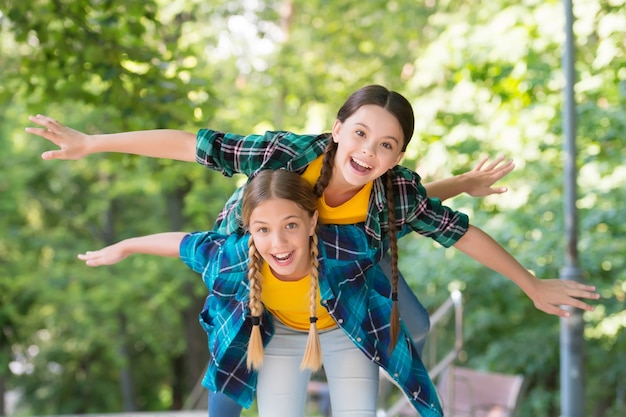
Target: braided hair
<point x="401" y="109"/>
<point x="279" y="184"/>
<point x="393" y="248"/>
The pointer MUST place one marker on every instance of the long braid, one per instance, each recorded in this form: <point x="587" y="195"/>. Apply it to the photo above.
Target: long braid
<point x="328" y="164"/>
<point x="255" y="345"/>
<point x="312" y="358"/>
<point x="393" y="246"/>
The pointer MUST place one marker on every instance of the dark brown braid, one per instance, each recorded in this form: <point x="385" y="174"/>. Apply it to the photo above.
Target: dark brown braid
<point x="312" y="358"/>
<point x="401" y="109"/>
<point x="327" y="168"/>
<point x="255" y="345"/>
<point x="393" y="248"/>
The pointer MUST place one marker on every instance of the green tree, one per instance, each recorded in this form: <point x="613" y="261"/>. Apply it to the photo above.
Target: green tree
<point x="484" y="78"/>
<point x="99" y="67"/>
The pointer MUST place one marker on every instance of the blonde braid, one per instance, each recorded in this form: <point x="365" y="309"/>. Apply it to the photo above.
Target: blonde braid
<point x="393" y="245"/>
<point x="312" y="358"/>
<point x="255" y="344"/>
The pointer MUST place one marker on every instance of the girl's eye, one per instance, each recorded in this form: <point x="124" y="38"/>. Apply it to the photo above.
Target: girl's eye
<point x="262" y="230"/>
<point x="291" y="226"/>
<point x="360" y="133"/>
<point x="387" y="145"/>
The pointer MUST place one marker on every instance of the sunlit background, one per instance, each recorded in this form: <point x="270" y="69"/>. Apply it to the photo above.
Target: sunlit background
<point x="484" y="78"/>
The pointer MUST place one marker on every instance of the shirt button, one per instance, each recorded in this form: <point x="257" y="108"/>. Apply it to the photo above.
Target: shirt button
<point x="340" y="321"/>
<point x="395" y="375"/>
<point x="358" y="339"/>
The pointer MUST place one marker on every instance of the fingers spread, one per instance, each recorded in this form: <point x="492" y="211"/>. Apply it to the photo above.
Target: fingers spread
<point x="495" y="163"/>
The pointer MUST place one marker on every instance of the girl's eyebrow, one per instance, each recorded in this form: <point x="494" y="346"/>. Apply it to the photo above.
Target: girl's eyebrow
<point x="368" y="128"/>
<point x="286" y="218"/>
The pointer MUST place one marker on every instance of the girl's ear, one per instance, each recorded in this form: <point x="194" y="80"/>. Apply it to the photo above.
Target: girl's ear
<point x="313" y="223"/>
<point x="336" y="130"/>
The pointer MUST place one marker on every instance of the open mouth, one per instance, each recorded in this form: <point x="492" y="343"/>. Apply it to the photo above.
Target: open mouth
<point x="282" y="258"/>
<point x="360" y="166"/>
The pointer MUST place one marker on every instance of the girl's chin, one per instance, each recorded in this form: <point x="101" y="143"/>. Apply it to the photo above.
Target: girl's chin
<point x="290" y="273"/>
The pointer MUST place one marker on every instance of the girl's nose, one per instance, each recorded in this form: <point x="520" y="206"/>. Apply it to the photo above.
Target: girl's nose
<point x="278" y="239"/>
<point x="367" y="149"/>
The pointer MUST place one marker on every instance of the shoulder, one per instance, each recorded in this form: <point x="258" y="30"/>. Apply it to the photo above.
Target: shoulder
<point x="408" y="192"/>
<point x="403" y="177"/>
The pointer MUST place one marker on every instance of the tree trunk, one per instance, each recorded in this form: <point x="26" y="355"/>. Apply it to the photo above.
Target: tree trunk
<point x="3" y="411"/>
<point x="188" y="368"/>
<point x="126" y="381"/>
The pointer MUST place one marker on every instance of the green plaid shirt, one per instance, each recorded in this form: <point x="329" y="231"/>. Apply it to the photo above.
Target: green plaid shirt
<point x="229" y="154"/>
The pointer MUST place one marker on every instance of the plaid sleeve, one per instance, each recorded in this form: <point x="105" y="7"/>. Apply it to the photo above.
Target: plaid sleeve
<point x="198" y="249"/>
<point x="230" y="153"/>
<point x="213" y="254"/>
<point x="427" y="216"/>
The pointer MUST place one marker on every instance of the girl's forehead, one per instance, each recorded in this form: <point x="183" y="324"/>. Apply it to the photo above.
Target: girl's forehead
<point x="275" y="208"/>
<point x="377" y="119"/>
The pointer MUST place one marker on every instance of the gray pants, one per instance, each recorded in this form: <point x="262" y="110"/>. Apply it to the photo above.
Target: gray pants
<point x="282" y="386"/>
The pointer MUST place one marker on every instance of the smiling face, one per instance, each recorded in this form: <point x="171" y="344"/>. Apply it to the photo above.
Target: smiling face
<point x="281" y="231"/>
<point x="369" y="143"/>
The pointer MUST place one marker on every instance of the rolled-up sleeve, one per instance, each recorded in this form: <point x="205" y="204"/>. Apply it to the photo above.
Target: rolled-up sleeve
<point x="230" y="153"/>
<point x="199" y="249"/>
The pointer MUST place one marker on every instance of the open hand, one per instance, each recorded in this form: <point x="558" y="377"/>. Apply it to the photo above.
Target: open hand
<point x="484" y="175"/>
<point x="72" y="142"/>
<point x="106" y="256"/>
<point x="550" y="294"/>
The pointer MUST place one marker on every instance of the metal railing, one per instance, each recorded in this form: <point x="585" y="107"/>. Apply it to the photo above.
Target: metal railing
<point x="432" y="361"/>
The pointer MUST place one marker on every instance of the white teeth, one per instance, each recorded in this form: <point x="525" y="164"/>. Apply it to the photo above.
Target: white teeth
<point x="282" y="256"/>
<point x="363" y="164"/>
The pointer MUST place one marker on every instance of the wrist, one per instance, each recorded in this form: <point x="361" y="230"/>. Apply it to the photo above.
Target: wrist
<point x="530" y="284"/>
<point x="464" y="182"/>
<point x="92" y="144"/>
<point x="126" y="247"/>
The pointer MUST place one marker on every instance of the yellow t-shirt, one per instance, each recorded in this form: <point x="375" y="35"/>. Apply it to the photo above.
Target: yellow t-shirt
<point x="350" y="212"/>
<point x="289" y="301"/>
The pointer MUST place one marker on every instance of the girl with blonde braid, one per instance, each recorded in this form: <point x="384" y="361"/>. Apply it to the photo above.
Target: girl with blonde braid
<point x="257" y="327"/>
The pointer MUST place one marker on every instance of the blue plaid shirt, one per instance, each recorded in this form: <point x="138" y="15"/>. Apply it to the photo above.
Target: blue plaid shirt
<point x="229" y="153"/>
<point x="353" y="289"/>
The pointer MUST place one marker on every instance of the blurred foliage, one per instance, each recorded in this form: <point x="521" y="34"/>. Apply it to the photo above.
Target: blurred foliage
<point x="484" y="78"/>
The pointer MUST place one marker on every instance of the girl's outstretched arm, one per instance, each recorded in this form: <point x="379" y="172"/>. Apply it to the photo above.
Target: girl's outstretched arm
<point x="547" y="294"/>
<point x="161" y="244"/>
<point x="478" y="182"/>
<point x="160" y="143"/>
